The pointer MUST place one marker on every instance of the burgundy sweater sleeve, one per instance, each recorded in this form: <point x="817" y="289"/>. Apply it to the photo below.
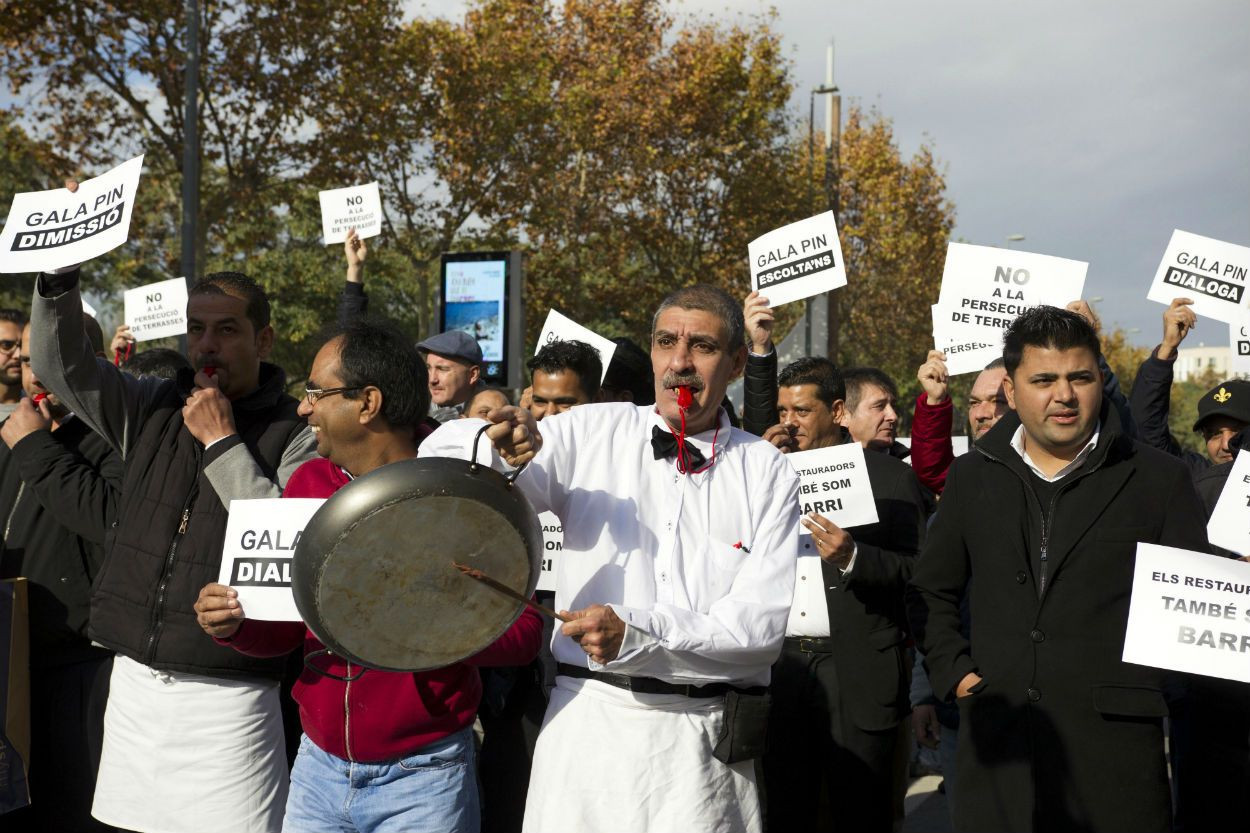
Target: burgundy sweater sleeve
<point x="931" y="449"/>
<point x="518" y="645"/>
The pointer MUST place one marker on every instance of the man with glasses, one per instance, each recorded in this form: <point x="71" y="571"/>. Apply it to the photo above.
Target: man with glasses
<point x="226" y="430"/>
<point x="389" y="750"/>
<point x="11" y="323"/>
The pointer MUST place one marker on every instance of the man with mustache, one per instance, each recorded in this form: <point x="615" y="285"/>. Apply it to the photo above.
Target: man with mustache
<point x="1037" y="533"/>
<point x="680" y="542"/>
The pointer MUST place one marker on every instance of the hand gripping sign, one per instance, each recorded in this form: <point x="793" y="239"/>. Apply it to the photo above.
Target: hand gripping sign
<point x="49" y="230"/>
<point x="261" y="535"/>
<point x="797" y="261"/>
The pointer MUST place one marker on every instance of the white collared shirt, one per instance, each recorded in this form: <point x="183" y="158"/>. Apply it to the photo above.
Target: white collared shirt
<point x="700" y="566"/>
<point x="809" y="615"/>
<point x="1017" y="443"/>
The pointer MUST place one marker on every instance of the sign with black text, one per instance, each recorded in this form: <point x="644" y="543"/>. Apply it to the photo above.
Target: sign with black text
<point x="156" y="310"/>
<point x="833" y="483"/>
<point x="342" y="209"/>
<point x="1211" y="272"/>
<point x="797" y="261"/>
<point x="1229" y="524"/>
<point x="261" y="536"/>
<point x="1190" y="612"/>
<point x="49" y="230"/>
<point x="553" y="546"/>
<point x="560" y="327"/>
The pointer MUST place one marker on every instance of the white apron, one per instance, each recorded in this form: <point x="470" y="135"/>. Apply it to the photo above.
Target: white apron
<point x="185" y="753"/>
<point x="610" y="760"/>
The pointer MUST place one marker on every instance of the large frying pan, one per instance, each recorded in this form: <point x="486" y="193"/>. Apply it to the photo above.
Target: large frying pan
<point x="373" y="575"/>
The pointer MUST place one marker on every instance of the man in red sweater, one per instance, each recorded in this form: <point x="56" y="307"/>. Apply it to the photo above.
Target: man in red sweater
<point x="387" y="750"/>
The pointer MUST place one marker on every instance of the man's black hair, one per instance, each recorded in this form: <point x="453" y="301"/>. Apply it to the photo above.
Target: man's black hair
<point x="997" y="364"/>
<point x="13" y="316"/>
<point x="630" y="369"/>
<point x="818" y="371"/>
<point x="241" y="286"/>
<point x="1047" y="327"/>
<point x="857" y="379"/>
<point x="378" y="353"/>
<point x="708" y="298"/>
<point x="577" y="356"/>
<point x="160" y="362"/>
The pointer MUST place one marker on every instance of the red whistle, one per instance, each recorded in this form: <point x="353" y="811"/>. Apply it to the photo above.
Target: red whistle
<point x="37" y="398"/>
<point x="209" y="370"/>
<point x="684" y="397"/>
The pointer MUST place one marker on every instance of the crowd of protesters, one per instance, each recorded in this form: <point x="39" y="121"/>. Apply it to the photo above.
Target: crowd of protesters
<point x="724" y="662"/>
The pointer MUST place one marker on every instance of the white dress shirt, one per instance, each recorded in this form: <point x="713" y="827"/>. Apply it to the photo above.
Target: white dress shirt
<point x="1017" y="443"/>
<point x="700" y="567"/>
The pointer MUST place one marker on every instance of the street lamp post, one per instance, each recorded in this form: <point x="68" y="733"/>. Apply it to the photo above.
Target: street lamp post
<point x="823" y="89"/>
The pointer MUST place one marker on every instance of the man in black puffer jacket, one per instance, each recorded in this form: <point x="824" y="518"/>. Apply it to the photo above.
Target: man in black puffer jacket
<point x="189" y="723"/>
<point x="59" y="484"/>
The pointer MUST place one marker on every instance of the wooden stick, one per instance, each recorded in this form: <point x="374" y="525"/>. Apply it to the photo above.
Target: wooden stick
<point x="475" y="573"/>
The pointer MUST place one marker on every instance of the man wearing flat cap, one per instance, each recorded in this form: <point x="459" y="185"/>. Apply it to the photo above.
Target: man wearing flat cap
<point x="454" y="362"/>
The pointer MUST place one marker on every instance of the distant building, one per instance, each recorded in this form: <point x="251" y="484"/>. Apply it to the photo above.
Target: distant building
<point x="1196" y="362"/>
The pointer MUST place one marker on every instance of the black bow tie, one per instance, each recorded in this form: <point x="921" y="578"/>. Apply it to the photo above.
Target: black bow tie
<point x="664" y="444"/>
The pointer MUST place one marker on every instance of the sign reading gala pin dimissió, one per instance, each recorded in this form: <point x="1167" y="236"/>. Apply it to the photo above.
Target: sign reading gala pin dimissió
<point x="358" y="207"/>
<point x="1212" y="273"/>
<point x="559" y="327"/>
<point x="261" y="537"/>
<point x="833" y="483"/>
<point x="157" y="310"/>
<point x="49" y="230"/>
<point x="797" y="261"/>
<point x="1190" y="612"/>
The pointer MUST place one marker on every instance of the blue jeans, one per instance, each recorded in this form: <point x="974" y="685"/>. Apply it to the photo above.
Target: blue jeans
<point x="432" y="790"/>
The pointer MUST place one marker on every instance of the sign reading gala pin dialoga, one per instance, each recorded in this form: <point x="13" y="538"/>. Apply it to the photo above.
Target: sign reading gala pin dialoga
<point x="553" y="546"/>
<point x="261" y="536"/>
<point x="157" y="310"/>
<point x="49" y="230"/>
<point x="1211" y="272"/>
<point x="559" y="327"/>
<point x="833" y="483"/>
<point x="1229" y="524"/>
<point x="343" y="209"/>
<point x="1190" y="612"/>
<point x="797" y="261"/>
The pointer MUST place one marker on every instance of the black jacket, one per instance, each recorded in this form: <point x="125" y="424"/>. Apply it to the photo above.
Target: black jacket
<point x="58" y="498"/>
<point x="867" y="621"/>
<point x="1151" y="401"/>
<point x="759" y="393"/>
<point x="171" y="528"/>
<point x="1061" y="735"/>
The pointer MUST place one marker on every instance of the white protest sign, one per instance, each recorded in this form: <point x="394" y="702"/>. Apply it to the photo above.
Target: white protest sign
<point x="797" y="261"/>
<point x="1239" y="347"/>
<point x="559" y="327"/>
<point x="833" y="482"/>
<point x="342" y="209"/>
<point x="553" y="546"/>
<point x="87" y="308"/>
<point x="1190" y="612"/>
<point x="261" y="535"/>
<point x="157" y="310"/>
<point x="1211" y="272"/>
<point x="984" y="289"/>
<point x="48" y="230"/>
<point x="1229" y="524"/>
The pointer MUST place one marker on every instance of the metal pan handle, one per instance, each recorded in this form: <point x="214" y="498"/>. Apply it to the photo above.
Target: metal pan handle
<point x="326" y="652"/>
<point x="474" y="465"/>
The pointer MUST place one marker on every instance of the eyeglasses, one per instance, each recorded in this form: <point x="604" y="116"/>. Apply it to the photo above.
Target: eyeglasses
<point x="8" y="345"/>
<point x="313" y="394"/>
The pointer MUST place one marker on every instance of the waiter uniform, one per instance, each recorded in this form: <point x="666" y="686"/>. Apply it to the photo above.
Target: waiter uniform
<point x="700" y="567"/>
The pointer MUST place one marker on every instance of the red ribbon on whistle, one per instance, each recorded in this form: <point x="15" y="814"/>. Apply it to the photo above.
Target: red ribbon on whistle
<point x="685" y="398"/>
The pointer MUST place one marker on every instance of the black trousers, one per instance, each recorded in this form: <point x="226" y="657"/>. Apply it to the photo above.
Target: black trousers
<point x="67" y="730"/>
<point x="813" y="743"/>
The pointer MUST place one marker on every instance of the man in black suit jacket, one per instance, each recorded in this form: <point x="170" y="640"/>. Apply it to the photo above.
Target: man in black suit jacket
<point x="1038" y="529"/>
<point x="840" y="686"/>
